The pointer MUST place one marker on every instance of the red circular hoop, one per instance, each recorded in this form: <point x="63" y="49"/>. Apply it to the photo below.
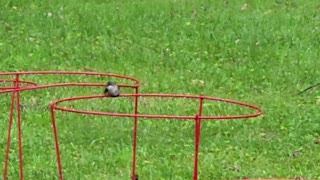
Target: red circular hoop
<point x="37" y="86"/>
<point x="68" y="73"/>
<point x="259" y="112"/>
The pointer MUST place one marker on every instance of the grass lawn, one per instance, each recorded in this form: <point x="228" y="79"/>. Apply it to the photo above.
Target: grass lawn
<point x="260" y="52"/>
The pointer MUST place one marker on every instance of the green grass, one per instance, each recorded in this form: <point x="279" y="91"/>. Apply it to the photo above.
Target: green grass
<point x="261" y="55"/>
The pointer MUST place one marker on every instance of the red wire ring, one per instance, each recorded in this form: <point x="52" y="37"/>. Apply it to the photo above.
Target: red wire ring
<point x="259" y="112"/>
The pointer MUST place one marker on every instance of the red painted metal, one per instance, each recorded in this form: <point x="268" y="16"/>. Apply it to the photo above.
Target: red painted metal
<point x="9" y="135"/>
<point x="151" y="116"/>
<point x="15" y="100"/>
<point x="19" y="126"/>
<point x="14" y="81"/>
<point x="196" y="146"/>
<point x="56" y="142"/>
<point x="54" y="106"/>
<point x="135" y="133"/>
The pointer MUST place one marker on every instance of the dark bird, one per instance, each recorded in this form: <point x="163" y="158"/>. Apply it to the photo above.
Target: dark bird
<point x="112" y="89"/>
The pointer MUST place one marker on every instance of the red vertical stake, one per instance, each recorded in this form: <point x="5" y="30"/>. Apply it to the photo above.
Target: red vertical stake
<point x="17" y="86"/>
<point x="5" y="171"/>
<point x="200" y="105"/>
<point x="135" y="129"/>
<point x="197" y="139"/>
<point x="55" y="134"/>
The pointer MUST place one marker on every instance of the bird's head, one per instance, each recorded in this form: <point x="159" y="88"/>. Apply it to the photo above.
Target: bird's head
<point x="109" y="83"/>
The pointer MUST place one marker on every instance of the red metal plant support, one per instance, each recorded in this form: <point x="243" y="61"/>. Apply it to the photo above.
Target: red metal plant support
<point x="54" y="106"/>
